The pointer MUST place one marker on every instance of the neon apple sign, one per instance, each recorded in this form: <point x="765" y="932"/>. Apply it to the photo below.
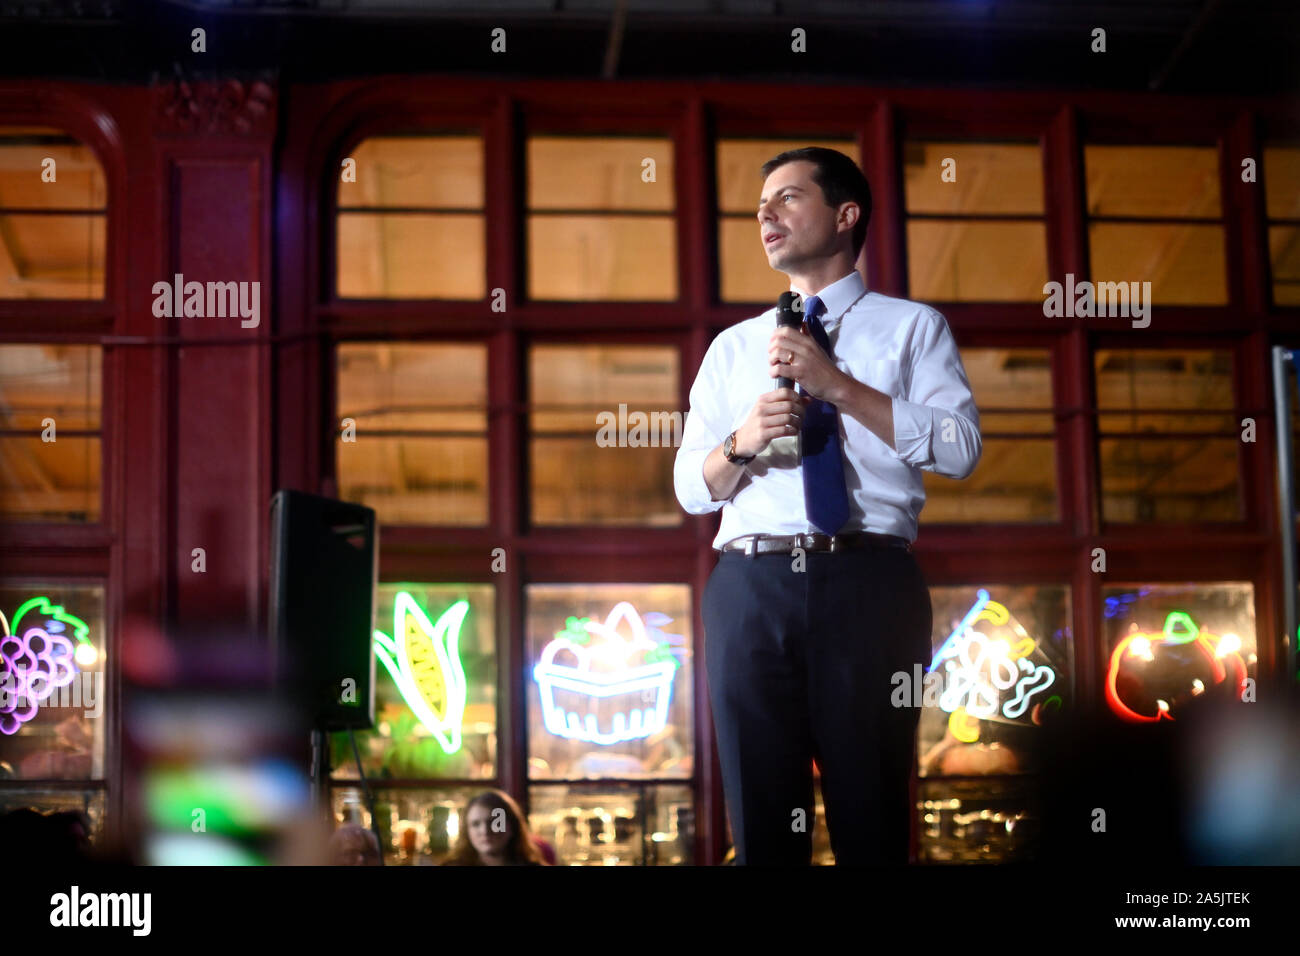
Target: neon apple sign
<point x="604" y="698"/>
<point x="36" y="660"/>
<point x="1136" y="654"/>
<point x="423" y="658"/>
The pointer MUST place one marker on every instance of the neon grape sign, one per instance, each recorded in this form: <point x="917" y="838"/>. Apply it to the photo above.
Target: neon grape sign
<point x="604" y="696"/>
<point x="37" y="659"/>
<point x="423" y="658"/>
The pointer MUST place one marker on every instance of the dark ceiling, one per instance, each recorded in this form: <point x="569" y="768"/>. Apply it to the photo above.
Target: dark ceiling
<point x="1200" y="46"/>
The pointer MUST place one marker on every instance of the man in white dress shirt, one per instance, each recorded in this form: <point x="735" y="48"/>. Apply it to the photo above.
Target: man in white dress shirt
<point x="816" y="599"/>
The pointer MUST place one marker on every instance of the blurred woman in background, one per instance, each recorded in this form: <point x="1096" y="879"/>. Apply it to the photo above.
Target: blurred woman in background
<point x="494" y="833"/>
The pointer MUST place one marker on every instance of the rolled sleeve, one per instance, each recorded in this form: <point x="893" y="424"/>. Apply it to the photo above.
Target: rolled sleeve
<point x="936" y="427"/>
<point x="706" y="426"/>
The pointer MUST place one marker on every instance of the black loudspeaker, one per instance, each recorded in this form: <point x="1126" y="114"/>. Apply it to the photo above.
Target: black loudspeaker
<point x="324" y="559"/>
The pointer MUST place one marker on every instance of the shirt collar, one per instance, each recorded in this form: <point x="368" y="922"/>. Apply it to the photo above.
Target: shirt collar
<point x="838" y="297"/>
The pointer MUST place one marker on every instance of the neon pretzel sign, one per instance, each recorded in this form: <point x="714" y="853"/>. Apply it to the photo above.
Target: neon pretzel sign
<point x="37" y="659"/>
<point x="604" y="697"/>
<point x="987" y="676"/>
<point x="423" y="658"/>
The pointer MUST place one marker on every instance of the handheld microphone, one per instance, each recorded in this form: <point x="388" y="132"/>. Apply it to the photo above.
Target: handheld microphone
<point x="789" y="312"/>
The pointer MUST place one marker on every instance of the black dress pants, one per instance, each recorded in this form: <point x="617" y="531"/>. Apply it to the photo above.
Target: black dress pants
<point x="799" y="665"/>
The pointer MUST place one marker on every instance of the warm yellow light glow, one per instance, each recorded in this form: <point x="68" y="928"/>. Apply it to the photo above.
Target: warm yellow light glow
<point x="85" y="655"/>
<point x="1228" y="644"/>
<point x="1141" y="647"/>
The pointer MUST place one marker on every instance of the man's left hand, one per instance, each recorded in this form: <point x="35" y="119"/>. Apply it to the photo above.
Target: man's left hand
<point x="796" y="355"/>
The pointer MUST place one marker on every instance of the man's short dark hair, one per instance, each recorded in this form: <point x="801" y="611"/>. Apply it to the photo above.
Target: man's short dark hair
<point x="840" y="180"/>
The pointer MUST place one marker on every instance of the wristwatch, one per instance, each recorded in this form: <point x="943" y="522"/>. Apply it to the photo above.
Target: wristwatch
<point x="729" y="451"/>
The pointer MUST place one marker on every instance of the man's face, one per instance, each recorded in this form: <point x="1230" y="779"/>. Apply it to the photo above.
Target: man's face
<point x="795" y="224"/>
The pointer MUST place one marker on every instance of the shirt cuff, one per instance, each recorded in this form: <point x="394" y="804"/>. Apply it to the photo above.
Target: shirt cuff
<point x="688" y="481"/>
<point x="913" y="430"/>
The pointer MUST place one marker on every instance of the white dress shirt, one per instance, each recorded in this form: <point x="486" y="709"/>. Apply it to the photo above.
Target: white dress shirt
<point x="902" y="348"/>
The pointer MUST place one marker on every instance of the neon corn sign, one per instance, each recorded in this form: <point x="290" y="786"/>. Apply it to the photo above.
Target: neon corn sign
<point x="423" y="658"/>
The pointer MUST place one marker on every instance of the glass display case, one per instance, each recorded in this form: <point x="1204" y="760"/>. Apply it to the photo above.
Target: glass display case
<point x="416" y="827"/>
<point x="976" y="821"/>
<point x="616" y="825"/>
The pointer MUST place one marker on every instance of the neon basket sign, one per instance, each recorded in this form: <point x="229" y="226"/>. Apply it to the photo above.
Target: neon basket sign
<point x="592" y="686"/>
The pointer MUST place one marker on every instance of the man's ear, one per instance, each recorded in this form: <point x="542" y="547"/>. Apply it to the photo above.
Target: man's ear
<point x="849" y="212"/>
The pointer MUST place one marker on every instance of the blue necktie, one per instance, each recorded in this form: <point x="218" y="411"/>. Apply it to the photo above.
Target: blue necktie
<point x="825" y="495"/>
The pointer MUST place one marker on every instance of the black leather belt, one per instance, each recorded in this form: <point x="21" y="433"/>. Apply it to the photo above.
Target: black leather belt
<point x="754" y="544"/>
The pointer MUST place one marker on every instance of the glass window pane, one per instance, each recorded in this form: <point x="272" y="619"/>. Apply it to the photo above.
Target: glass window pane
<point x="974" y="261"/>
<point x="411" y="253"/>
<point x="1003" y="664"/>
<point x="1284" y="258"/>
<point x="1282" y="182"/>
<point x="609" y="681"/>
<point x="55" y="381"/>
<point x="46" y="800"/>
<point x="1185" y="264"/>
<point x="615" y="251"/>
<point x="977" y="821"/>
<point x="53" y="695"/>
<point x="997" y="178"/>
<point x="1168" y="644"/>
<point x="53" y="393"/>
<point x="56" y="482"/>
<point x="581" y="258"/>
<point x="600" y="173"/>
<point x="435" y="686"/>
<point x="416" y="446"/>
<point x="78" y="178"/>
<point x="1015" y="480"/>
<point x="1174" y="181"/>
<point x="417" y="827"/>
<point x="58" y="256"/>
<point x="745" y="275"/>
<point x="432" y="171"/>
<point x="604" y="429"/>
<point x="1189" y="475"/>
<point x="615" y="825"/>
<point x="411" y="256"/>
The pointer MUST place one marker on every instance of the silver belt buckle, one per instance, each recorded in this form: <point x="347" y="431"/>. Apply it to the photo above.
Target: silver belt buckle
<point x="751" y="546"/>
<point x="804" y="540"/>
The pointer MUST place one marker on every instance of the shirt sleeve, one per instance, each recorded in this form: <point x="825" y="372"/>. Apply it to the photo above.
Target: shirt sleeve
<point x="707" y="424"/>
<point x="937" y="427"/>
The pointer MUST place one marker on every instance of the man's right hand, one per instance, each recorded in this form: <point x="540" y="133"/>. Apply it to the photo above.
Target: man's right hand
<point x="777" y="414"/>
